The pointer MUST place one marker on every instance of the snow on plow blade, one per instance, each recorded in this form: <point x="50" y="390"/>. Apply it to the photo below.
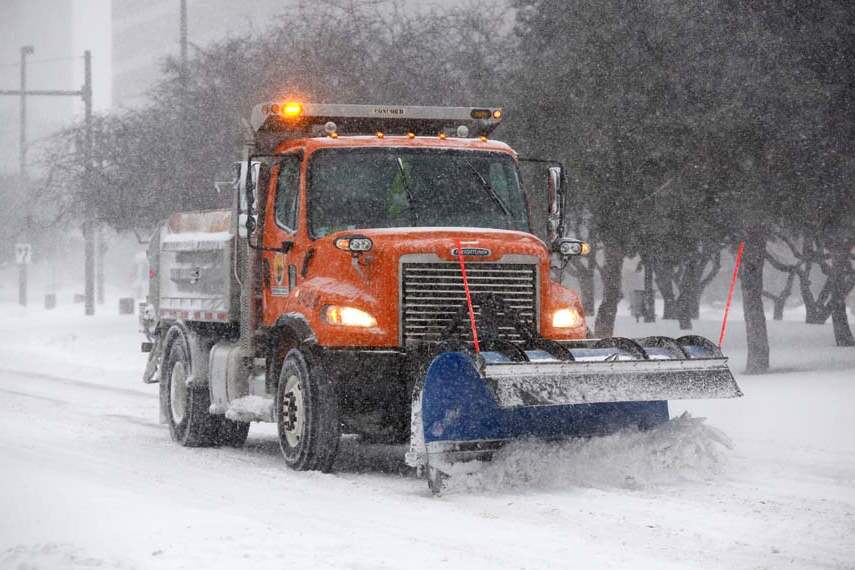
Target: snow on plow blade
<point x="535" y="384"/>
<point x="467" y="406"/>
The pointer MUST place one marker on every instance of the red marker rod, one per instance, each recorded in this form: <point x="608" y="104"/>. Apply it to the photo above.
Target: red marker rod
<point x="468" y="297"/>
<point x="730" y="292"/>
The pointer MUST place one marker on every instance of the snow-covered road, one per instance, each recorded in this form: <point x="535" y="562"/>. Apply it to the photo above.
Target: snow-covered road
<point x="89" y="478"/>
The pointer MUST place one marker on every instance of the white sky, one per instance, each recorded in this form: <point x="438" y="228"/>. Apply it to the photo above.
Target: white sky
<point x="92" y="31"/>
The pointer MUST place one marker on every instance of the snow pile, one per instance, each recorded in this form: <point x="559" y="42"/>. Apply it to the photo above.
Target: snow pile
<point x="250" y="409"/>
<point x="683" y="449"/>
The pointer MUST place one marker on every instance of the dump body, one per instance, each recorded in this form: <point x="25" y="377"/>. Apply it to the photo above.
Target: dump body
<point x="191" y="268"/>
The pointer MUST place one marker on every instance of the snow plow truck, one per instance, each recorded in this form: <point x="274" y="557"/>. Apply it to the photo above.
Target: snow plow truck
<point x="377" y="274"/>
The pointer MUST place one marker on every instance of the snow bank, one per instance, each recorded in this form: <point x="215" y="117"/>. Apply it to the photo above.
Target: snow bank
<point x="250" y="409"/>
<point x="684" y="449"/>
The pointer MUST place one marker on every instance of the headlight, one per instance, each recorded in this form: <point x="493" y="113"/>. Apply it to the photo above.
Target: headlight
<point x="348" y="317"/>
<point x="571" y="247"/>
<point x="354" y="244"/>
<point x="566" y="319"/>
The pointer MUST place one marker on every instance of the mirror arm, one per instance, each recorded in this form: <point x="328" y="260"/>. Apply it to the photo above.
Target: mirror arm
<point x="562" y="194"/>
<point x="562" y="200"/>
<point x="284" y="248"/>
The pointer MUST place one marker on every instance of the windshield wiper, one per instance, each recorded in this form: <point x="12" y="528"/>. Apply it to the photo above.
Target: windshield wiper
<point x="490" y="191"/>
<point x="410" y="198"/>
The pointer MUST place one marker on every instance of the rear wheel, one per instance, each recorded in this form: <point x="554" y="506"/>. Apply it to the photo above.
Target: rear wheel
<point x="306" y="415"/>
<point x="186" y="404"/>
<point x="231" y="433"/>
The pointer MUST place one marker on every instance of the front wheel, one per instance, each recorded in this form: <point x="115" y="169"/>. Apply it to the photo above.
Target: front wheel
<point x="306" y="415"/>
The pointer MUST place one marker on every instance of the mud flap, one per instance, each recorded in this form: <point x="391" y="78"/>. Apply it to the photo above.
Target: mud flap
<point x="151" y="374"/>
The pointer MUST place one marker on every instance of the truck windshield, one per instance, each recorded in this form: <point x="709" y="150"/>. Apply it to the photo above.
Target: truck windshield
<point x="352" y="189"/>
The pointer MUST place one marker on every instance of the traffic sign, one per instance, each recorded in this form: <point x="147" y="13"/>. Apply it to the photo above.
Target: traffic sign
<point x="23" y="253"/>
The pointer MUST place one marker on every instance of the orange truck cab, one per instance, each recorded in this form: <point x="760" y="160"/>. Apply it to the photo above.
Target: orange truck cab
<point x="319" y="299"/>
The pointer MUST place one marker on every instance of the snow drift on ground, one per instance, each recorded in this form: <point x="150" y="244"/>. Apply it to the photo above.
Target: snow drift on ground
<point x="684" y="449"/>
<point x="89" y="478"/>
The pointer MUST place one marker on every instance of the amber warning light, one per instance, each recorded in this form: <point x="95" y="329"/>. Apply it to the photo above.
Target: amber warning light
<point x="291" y="109"/>
<point x="287" y="109"/>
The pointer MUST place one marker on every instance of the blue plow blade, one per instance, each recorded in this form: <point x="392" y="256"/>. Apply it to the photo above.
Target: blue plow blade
<point x="463" y="412"/>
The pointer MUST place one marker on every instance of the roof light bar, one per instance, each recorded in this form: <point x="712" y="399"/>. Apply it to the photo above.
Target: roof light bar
<point x="298" y="119"/>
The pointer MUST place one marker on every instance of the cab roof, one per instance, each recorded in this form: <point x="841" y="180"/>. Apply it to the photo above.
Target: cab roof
<point x="311" y="144"/>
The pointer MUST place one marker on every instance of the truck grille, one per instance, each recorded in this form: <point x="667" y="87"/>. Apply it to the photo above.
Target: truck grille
<point x="433" y="294"/>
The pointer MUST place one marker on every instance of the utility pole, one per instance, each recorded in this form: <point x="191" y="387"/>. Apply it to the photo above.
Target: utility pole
<point x="22" y="168"/>
<point x="184" y="81"/>
<point x="101" y="248"/>
<point x="86" y="94"/>
<point x="88" y="224"/>
<point x="25" y="51"/>
<point x="183" y="38"/>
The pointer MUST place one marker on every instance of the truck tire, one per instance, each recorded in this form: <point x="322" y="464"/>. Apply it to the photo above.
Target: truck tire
<point x="306" y="415"/>
<point x="232" y="434"/>
<point x="186" y="406"/>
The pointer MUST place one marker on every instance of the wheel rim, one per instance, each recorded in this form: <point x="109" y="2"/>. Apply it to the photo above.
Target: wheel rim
<point x="292" y="411"/>
<point x="178" y="392"/>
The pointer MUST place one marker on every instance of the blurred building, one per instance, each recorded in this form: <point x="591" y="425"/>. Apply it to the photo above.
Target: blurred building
<point x="47" y="26"/>
<point x="144" y="33"/>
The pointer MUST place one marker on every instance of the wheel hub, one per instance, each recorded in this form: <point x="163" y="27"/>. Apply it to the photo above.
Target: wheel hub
<point x="292" y="411"/>
<point x="178" y="392"/>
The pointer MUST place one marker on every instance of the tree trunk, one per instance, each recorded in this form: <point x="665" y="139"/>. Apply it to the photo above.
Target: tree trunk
<point x="663" y="275"/>
<point x="687" y="301"/>
<point x="752" y="303"/>
<point x="611" y="275"/>
<point x="840" y="267"/>
<point x="584" y="270"/>
<point x="780" y="300"/>
<point x="669" y="308"/>
<point x="816" y="312"/>
<point x="649" y="295"/>
<point x="840" y="323"/>
<point x="586" y="290"/>
<point x="778" y="308"/>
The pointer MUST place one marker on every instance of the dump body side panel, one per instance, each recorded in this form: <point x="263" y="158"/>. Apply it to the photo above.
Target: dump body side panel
<point x="191" y="275"/>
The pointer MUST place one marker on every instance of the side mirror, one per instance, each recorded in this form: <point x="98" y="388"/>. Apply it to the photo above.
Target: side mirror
<point x="554" y="193"/>
<point x="247" y="193"/>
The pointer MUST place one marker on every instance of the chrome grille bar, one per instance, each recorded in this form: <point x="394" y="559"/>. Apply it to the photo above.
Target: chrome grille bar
<point x="432" y="294"/>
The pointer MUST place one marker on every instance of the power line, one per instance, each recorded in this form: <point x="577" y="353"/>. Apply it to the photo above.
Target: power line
<point x="48" y="60"/>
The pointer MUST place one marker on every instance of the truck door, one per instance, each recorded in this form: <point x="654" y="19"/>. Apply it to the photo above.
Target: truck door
<point x="279" y="268"/>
